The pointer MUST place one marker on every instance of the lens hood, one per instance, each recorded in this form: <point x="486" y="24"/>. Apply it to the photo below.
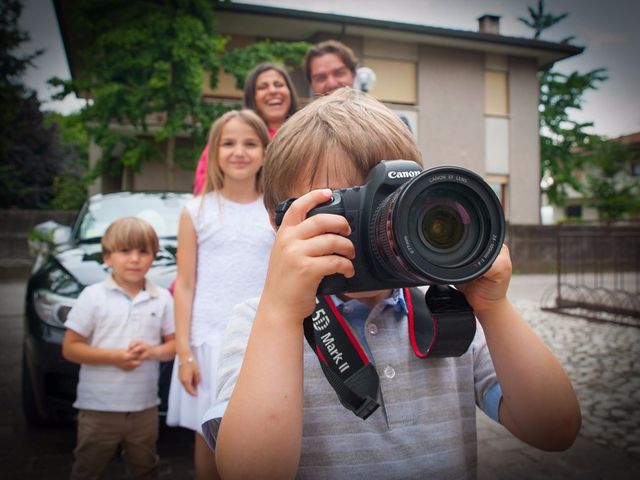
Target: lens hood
<point x="446" y="226"/>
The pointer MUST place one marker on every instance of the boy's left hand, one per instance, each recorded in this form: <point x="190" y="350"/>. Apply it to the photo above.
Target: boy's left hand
<point x="141" y="349"/>
<point x="490" y="290"/>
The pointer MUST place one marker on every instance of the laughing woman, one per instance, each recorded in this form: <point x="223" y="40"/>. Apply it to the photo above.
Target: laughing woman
<point x="269" y="92"/>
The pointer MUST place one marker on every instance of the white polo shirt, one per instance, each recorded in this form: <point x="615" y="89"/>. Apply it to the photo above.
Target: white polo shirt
<point x="110" y="319"/>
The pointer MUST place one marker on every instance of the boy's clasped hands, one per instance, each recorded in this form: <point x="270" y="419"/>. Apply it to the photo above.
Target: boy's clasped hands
<point x="137" y="352"/>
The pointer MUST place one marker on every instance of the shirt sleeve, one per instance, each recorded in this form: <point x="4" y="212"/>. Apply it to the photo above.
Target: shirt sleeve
<point x="82" y="316"/>
<point x="229" y="363"/>
<point x="487" y="389"/>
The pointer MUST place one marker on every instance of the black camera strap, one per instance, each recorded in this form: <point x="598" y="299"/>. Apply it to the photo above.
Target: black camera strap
<point x="441" y="324"/>
<point x="343" y="361"/>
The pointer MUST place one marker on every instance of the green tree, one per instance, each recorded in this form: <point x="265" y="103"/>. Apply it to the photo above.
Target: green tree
<point x="540" y="19"/>
<point x="69" y="184"/>
<point x="560" y="135"/>
<point x="144" y="67"/>
<point x="240" y="61"/>
<point x="12" y="92"/>
<point x="610" y="185"/>
<point x="30" y="152"/>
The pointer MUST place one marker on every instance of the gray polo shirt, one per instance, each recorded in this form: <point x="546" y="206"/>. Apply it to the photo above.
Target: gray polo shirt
<point x="426" y="422"/>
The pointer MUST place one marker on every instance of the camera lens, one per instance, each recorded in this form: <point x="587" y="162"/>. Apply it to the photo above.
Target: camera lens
<point x="442" y="226"/>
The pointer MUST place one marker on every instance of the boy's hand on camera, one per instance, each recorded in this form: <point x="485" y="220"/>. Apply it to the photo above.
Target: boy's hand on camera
<point x="304" y="252"/>
<point x="490" y="290"/>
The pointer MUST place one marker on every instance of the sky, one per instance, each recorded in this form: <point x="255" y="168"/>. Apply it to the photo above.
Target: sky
<point x="607" y="28"/>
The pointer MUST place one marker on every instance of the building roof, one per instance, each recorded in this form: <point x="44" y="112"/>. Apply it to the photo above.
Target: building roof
<point x="284" y="23"/>
<point x="629" y="139"/>
<point x="288" y="24"/>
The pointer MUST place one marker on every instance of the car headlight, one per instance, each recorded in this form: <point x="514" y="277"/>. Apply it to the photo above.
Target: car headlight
<point x="51" y="307"/>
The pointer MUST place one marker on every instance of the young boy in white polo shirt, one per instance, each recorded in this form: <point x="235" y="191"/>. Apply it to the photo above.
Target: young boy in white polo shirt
<point x="119" y="330"/>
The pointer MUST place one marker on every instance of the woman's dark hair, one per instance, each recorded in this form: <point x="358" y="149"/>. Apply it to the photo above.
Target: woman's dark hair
<point x="249" y="99"/>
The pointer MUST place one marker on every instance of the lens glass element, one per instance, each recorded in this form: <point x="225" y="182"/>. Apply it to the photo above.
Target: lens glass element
<point x="444" y="225"/>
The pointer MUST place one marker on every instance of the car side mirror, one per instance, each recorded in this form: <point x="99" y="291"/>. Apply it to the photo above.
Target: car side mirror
<point x="47" y="236"/>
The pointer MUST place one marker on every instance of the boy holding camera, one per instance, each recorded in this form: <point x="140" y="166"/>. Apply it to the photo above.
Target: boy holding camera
<point x="274" y="407"/>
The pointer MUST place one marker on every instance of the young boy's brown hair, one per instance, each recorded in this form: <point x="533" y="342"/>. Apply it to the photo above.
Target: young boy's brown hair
<point x="128" y="233"/>
<point x="347" y="122"/>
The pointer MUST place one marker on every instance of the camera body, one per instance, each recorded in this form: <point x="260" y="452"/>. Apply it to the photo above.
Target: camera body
<point x="411" y="227"/>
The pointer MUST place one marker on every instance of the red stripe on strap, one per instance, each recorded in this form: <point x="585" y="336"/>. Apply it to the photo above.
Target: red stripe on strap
<point x="412" y="327"/>
<point x="347" y="330"/>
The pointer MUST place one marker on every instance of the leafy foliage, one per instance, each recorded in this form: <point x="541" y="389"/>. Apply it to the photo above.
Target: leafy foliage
<point x="69" y="184"/>
<point x="540" y="20"/>
<point x="33" y="160"/>
<point x="614" y="191"/>
<point x="561" y="136"/>
<point x="144" y="67"/>
<point x="240" y="61"/>
<point x="30" y="153"/>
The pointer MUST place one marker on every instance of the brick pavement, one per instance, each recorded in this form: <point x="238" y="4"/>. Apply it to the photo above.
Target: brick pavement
<point x="603" y="362"/>
<point x="601" y="359"/>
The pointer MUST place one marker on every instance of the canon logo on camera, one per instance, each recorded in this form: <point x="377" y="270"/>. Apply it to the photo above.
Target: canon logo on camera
<point x="396" y="174"/>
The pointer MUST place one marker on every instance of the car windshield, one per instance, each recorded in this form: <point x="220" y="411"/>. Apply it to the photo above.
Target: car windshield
<point x="161" y="210"/>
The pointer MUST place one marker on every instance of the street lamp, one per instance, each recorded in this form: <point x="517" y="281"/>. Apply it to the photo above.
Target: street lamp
<point x="365" y="79"/>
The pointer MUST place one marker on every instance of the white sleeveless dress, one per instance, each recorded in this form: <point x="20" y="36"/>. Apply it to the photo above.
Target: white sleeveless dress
<point x="234" y="244"/>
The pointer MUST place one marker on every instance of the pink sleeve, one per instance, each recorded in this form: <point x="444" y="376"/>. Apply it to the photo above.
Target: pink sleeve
<point x="201" y="171"/>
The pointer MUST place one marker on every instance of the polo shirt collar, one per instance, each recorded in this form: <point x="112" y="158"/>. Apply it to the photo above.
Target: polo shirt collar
<point x="396" y="301"/>
<point x="149" y="287"/>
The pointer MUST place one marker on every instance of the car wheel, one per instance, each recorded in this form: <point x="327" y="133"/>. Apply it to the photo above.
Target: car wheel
<point x="29" y="406"/>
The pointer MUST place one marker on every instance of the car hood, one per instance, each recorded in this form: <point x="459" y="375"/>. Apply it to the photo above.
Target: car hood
<point x="84" y="262"/>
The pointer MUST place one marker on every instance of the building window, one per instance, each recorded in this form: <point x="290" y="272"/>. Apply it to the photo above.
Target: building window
<point x="395" y="80"/>
<point x="496" y="145"/>
<point x="635" y="169"/>
<point x="573" y="211"/>
<point x="496" y="88"/>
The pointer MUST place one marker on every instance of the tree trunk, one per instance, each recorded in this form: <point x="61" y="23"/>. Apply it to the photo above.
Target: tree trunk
<point x="169" y="162"/>
<point x="126" y="181"/>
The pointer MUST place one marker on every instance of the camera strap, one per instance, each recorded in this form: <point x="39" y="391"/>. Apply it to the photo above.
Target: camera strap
<point x="441" y="324"/>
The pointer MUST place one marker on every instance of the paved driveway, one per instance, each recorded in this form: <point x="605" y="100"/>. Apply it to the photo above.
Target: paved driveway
<point x="46" y="453"/>
<point x="601" y="359"/>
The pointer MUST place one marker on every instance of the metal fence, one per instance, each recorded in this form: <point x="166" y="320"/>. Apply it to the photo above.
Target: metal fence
<point x="598" y="274"/>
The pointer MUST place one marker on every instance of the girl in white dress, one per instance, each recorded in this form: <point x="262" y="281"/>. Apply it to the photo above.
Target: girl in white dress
<point x="224" y="242"/>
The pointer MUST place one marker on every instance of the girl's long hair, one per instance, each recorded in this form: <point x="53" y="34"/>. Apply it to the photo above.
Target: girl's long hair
<point x="215" y="177"/>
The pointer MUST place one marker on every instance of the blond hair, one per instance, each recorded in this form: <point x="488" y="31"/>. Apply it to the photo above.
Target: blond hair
<point x="129" y="233"/>
<point x="215" y="177"/>
<point x="347" y="122"/>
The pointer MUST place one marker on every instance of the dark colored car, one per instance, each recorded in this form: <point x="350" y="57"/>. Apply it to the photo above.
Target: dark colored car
<point x="67" y="260"/>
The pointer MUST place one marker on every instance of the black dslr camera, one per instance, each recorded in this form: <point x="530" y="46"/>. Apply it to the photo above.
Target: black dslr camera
<point x="411" y="227"/>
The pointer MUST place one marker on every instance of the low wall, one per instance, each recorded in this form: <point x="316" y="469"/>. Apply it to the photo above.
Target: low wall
<point x="533" y="247"/>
